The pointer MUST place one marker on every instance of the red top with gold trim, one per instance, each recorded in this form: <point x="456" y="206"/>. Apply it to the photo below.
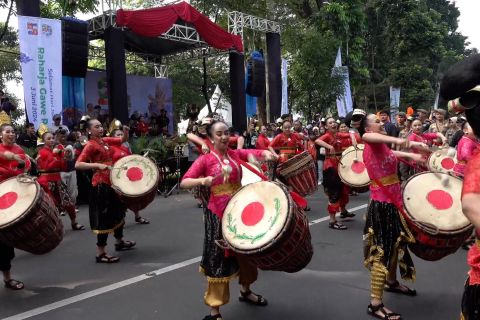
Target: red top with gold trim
<point x="288" y="146"/>
<point x="471" y="184"/>
<point x="98" y="150"/>
<point x="340" y="141"/>
<point x="211" y="165"/>
<point x="50" y="164"/>
<point x="8" y="168"/>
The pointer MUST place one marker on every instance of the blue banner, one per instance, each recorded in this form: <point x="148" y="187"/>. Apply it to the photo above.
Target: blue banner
<point x="73" y="100"/>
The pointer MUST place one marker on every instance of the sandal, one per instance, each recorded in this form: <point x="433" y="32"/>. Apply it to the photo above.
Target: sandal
<point x="346" y="214"/>
<point x="261" y="301"/>
<point x="141" y="220"/>
<point x="215" y="317"/>
<point x="124" y="245"/>
<point x="77" y="226"/>
<point x="14" y="284"/>
<point x="337" y="226"/>
<point x="372" y="310"/>
<point x="396" y="287"/>
<point x="104" y="258"/>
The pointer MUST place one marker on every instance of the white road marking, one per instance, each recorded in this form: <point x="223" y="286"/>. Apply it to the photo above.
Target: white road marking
<point x="127" y="282"/>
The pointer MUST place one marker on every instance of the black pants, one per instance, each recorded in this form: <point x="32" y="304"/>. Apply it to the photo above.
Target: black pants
<point x="102" y="238"/>
<point x="6" y="256"/>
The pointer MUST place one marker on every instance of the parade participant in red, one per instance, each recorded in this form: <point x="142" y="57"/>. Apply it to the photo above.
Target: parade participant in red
<point x="120" y="151"/>
<point x="335" y="143"/>
<point x="287" y="143"/>
<point x="262" y="140"/>
<point x="142" y="128"/>
<point x="106" y="211"/>
<point x="425" y="138"/>
<point x="50" y="162"/>
<point x="386" y="234"/>
<point x="11" y="164"/>
<point x="235" y="141"/>
<point x="220" y="171"/>
<point x="467" y="147"/>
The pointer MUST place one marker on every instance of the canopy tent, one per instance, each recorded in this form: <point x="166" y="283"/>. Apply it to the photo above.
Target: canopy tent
<point x="154" y="22"/>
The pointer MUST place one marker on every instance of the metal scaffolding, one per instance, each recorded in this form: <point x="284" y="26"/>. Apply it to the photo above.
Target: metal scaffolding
<point x="237" y="21"/>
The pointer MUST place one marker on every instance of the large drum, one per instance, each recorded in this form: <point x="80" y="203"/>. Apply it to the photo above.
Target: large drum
<point x="262" y="222"/>
<point x="434" y="214"/>
<point x="29" y="219"/>
<point x="352" y="171"/>
<point x="442" y="160"/>
<point x="135" y="179"/>
<point x="300" y="173"/>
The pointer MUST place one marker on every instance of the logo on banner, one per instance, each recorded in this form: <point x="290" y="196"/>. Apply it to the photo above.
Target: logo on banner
<point x="24" y="58"/>
<point x="46" y="30"/>
<point x="32" y="29"/>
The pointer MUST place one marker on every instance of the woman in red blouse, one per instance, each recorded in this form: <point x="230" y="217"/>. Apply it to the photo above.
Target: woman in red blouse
<point x="120" y="151"/>
<point x="106" y="211"/>
<point x="142" y="128"/>
<point x="287" y="143"/>
<point x="335" y="143"/>
<point x="51" y="162"/>
<point x="11" y="164"/>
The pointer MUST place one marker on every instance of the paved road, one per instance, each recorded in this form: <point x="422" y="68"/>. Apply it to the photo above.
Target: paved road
<point x="160" y="279"/>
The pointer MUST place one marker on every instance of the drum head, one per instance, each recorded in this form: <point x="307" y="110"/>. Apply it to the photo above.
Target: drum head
<point x="256" y="215"/>
<point x="16" y="198"/>
<point x="434" y="199"/>
<point x="352" y="169"/>
<point x="134" y="175"/>
<point x="440" y="161"/>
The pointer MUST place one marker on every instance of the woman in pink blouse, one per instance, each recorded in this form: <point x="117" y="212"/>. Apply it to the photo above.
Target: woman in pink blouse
<point x="385" y="234"/>
<point x="467" y="147"/>
<point x="220" y="171"/>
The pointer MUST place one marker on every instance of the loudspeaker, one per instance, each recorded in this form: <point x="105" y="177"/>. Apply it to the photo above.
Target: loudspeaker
<point x="74" y="47"/>
<point x="255" y="77"/>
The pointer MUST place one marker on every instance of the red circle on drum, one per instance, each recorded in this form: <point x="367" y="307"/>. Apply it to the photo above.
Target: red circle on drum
<point x="358" y="167"/>
<point x="440" y="199"/>
<point x="253" y="213"/>
<point x="448" y="163"/>
<point x="8" y="200"/>
<point x="134" y="174"/>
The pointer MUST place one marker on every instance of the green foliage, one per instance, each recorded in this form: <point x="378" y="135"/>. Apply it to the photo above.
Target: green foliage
<point x="56" y="9"/>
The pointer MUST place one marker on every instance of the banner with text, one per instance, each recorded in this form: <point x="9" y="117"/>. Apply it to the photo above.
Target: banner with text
<point x="394" y="103"/>
<point x="41" y="62"/>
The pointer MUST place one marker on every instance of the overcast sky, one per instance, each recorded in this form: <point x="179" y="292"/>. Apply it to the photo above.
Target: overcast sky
<point x="469" y="25"/>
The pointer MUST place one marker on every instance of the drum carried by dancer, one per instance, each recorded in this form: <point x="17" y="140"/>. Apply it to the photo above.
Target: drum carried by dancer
<point x="121" y="151"/>
<point x="106" y="210"/>
<point x="220" y="171"/>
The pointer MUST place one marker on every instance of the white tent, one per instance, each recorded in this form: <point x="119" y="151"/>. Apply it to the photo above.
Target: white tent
<point x="219" y="104"/>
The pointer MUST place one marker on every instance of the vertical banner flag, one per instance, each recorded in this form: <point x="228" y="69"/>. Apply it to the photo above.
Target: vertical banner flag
<point x="41" y="62"/>
<point x="344" y="100"/>
<point x="284" y="109"/>
<point x="394" y="103"/>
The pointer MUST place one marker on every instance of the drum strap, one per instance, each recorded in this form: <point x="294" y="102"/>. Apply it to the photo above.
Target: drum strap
<point x="298" y="199"/>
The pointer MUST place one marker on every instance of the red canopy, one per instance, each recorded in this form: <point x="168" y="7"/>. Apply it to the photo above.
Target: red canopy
<point x="156" y="21"/>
